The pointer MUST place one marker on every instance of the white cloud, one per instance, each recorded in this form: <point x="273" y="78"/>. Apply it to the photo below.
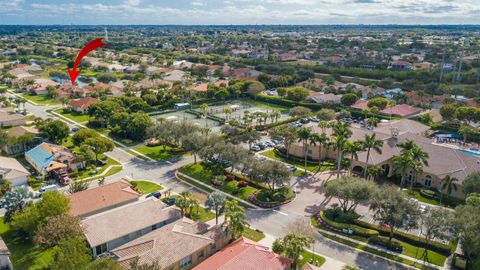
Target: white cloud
<point x="132" y="2"/>
<point x="197" y="3"/>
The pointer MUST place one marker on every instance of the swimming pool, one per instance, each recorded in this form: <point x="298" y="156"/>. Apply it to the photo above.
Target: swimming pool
<point x="470" y="152"/>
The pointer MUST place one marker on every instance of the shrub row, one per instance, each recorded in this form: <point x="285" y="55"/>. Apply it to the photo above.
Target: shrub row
<point x="279" y="123"/>
<point x="356" y="229"/>
<point x="406" y="237"/>
<point x="395" y="245"/>
<point x="252" y="198"/>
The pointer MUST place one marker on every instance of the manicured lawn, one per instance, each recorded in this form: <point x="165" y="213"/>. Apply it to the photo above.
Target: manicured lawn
<point x="74" y="116"/>
<point x="40" y="99"/>
<point x="157" y="152"/>
<point x="311" y="166"/>
<point x="253" y="234"/>
<point x="91" y="171"/>
<point x="25" y="255"/>
<point x="145" y="187"/>
<point x="416" y="194"/>
<point x="198" y="172"/>
<point x="202" y="215"/>
<point x="408" y="249"/>
<point x="307" y="258"/>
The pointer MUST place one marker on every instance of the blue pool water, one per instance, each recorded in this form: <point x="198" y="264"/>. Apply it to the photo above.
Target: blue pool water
<point x="475" y="154"/>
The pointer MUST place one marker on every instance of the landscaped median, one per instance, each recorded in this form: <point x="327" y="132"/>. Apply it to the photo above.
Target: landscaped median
<point x="237" y="186"/>
<point x="374" y="239"/>
<point x="312" y="166"/>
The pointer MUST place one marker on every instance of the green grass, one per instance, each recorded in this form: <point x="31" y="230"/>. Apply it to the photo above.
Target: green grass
<point x="25" y="254"/>
<point x="157" y="152"/>
<point x="416" y="194"/>
<point x="307" y="258"/>
<point x="145" y="187"/>
<point x="75" y="116"/>
<point x="202" y="214"/>
<point x="311" y="166"/>
<point x="408" y="249"/>
<point x="267" y="106"/>
<point x="40" y="99"/>
<point x="92" y="171"/>
<point x="253" y="235"/>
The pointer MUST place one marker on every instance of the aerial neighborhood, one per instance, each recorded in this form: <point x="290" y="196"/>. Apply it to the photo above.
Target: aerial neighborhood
<point x="240" y="147"/>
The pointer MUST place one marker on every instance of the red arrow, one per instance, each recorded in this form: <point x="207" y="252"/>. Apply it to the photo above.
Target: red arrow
<point x="94" y="44"/>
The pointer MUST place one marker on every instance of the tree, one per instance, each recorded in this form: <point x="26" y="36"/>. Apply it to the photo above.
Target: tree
<point x="379" y="102"/>
<point x="106" y="78"/>
<point x="184" y="202"/>
<point x="57" y="228"/>
<point x="234" y="218"/>
<point x="104" y="263"/>
<point x="287" y="134"/>
<point x="71" y="253"/>
<point x="326" y="114"/>
<point x="15" y="201"/>
<point x="272" y="173"/>
<point x="255" y="88"/>
<point x="99" y="146"/>
<point x="86" y="155"/>
<point x="320" y="140"/>
<point x="55" y="131"/>
<point x="447" y="112"/>
<point x="292" y="246"/>
<point x="341" y="133"/>
<point x="374" y="171"/>
<point x="215" y="201"/>
<point x="369" y="143"/>
<point x="195" y="143"/>
<point x="299" y="111"/>
<point x="467" y="132"/>
<point x="297" y="93"/>
<point x="467" y="220"/>
<point x="204" y="107"/>
<point x="352" y="148"/>
<point x="304" y="136"/>
<point x="77" y="186"/>
<point x="471" y="183"/>
<point x="391" y="207"/>
<point x="401" y="163"/>
<point x="136" y="265"/>
<point x="349" y="99"/>
<point x="436" y="223"/>
<point x="83" y="134"/>
<point x="3" y="138"/>
<point x="473" y="199"/>
<point x="350" y="191"/>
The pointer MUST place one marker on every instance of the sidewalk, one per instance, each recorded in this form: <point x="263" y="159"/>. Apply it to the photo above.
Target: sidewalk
<point x="420" y="262"/>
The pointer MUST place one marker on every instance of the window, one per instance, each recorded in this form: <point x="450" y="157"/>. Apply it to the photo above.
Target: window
<point x="201" y="254"/>
<point x="428" y="181"/>
<point x="186" y="261"/>
<point x="213" y="247"/>
<point x="101" y="249"/>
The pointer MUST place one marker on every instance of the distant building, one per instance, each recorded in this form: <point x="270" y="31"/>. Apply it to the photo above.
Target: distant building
<point x="14" y="147"/>
<point x="46" y="158"/>
<point x="81" y="105"/>
<point x="325" y="98"/>
<point x="401" y="65"/>
<point x="9" y="118"/>
<point x="401" y="110"/>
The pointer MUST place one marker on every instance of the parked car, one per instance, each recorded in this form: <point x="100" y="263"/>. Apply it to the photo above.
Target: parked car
<point x="47" y="188"/>
<point x="269" y="144"/>
<point x="256" y="148"/>
<point x="304" y="120"/>
<point x="170" y="201"/>
<point x="292" y="168"/>
<point x="423" y="208"/>
<point x="155" y="194"/>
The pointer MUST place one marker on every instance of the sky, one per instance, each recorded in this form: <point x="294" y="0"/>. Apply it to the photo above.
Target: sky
<point x="200" y="12"/>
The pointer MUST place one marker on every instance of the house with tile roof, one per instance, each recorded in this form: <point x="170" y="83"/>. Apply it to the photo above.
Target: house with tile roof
<point x="13" y="171"/>
<point x="113" y="228"/>
<point x="442" y="160"/>
<point x="81" y="105"/>
<point x="401" y="110"/>
<point x="9" y="118"/>
<point x="17" y="139"/>
<point x="178" y="245"/>
<point x="246" y="255"/>
<point x="46" y="158"/>
<point x="93" y="201"/>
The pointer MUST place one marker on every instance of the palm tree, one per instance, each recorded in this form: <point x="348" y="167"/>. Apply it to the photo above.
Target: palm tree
<point x="321" y="140"/>
<point x="341" y="133"/>
<point x="204" y="108"/>
<point x="234" y="218"/>
<point x="352" y="148"/>
<point x="227" y="112"/>
<point x="401" y="163"/>
<point x="184" y="201"/>
<point x="370" y="142"/>
<point x="303" y="136"/>
<point x="323" y="125"/>
<point x="418" y="156"/>
<point x="448" y="184"/>
<point x="374" y="171"/>
<point x="275" y="115"/>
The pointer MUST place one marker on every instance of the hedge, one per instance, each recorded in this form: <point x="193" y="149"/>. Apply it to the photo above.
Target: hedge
<point x="395" y="245"/>
<point x="356" y="229"/>
<point x="279" y="123"/>
<point x="408" y="238"/>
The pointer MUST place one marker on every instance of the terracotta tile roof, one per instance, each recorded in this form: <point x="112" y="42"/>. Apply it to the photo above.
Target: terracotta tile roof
<point x="403" y="126"/>
<point x="360" y="104"/>
<point x="401" y="110"/>
<point x="83" y="103"/>
<point x="244" y="254"/>
<point x="168" y="244"/>
<point x="102" y="197"/>
<point x="203" y="87"/>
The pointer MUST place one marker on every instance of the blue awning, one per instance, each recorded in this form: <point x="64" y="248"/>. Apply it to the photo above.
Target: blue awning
<point x="448" y="136"/>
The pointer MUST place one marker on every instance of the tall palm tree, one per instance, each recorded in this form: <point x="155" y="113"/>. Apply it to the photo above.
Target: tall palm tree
<point x="303" y="136"/>
<point x="323" y="125"/>
<point x="418" y="156"/>
<point x="369" y="143"/>
<point x="234" y="218"/>
<point x="319" y="140"/>
<point x="374" y="171"/>
<point x="448" y="184"/>
<point x="204" y="108"/>
<point x="227" y="112"/>
<point x="275" y="115"/>
<point x="352" y="148"/>
<point x="341" y="133"/>
<point x="401" y="163"/>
